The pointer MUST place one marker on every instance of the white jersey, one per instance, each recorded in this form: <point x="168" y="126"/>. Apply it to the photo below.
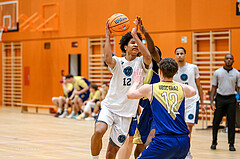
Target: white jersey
<point x="116" y="99"/>
<point x="187" y="75"/>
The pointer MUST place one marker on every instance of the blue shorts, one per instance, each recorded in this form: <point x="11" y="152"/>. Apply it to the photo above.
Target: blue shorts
<point x="133" y="126"/>
<point x="144" y="126"/>
<point x="84" y="96"/>
<point x="167" y="146"/>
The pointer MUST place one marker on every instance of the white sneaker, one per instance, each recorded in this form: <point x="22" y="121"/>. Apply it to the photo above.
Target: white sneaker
<point x="63" y="115"/>
<point x="90" y="118"/>
<point x="189" y="155"/>
<point x="70" y="116"/>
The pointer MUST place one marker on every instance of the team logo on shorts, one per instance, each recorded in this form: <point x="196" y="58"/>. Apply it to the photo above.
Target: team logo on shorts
<point x="190" y="116"/>
<point x="128" y="71"/>
<point x="121" y="138"/>
<point x="184" y="77"/>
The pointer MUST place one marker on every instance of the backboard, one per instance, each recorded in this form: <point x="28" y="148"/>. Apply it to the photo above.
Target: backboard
<point x="9" y="15"/>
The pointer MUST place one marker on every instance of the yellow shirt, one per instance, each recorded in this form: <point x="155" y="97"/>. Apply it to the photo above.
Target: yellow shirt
<point x="95" y="95"/>
<point x="69" y="87"/>
<point x="79" y="83"/>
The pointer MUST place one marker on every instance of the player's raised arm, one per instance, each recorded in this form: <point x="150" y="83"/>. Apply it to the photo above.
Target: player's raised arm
<point x="147" y="58"/>
<point x="143" y="91"/>
<point x="108" y="51"/>
<point x="150" y="44"/>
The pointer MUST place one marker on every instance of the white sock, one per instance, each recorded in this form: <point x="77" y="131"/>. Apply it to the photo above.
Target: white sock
<point x="94" y="157"/>
<point x="73" y="112"/>
<point x="59" y="110"/>
<point x="84" y="115"/>
<point x="93" y="114"/>
<point x="65" y="110"/>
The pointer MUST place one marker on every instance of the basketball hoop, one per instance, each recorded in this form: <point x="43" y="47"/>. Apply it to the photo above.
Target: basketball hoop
<point x="2" y="29"/>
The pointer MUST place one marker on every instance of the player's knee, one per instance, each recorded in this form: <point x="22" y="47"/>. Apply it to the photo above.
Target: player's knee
<point x="68" y="101"/>
<point x="99" y="132"/>
<point x="111" y="154"/>
<point x="112" y="151"/>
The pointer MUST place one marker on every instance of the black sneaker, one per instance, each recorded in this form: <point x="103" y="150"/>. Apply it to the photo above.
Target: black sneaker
<point x="232" y="148"/>
<point x="213" y="146"/>
<point x="57" y="115"/>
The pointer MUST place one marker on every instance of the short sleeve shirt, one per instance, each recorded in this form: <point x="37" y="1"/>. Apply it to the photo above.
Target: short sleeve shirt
<point x="79" y="83"/>
<point x="226" y="81"/>
<point x="69" y="87"/>
<point x="95" y="95"/>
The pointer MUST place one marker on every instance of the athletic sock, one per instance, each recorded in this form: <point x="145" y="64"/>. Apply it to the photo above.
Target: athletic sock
<point x="94" y="157"/>
<point x="72" y="113"/>
<point x="84" y="115"/>
<point x="59" y="110"/>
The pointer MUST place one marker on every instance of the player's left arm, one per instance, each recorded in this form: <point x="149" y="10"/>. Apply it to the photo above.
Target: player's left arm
<point x="147" y="58"/>
<point x="150" y="44"/>
<point x="73" y="94"/>
<point x="200" y="92"/>
<point x="144" y="91"/>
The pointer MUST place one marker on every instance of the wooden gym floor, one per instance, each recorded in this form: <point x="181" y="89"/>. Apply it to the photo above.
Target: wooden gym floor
<point x="41" y="136"/>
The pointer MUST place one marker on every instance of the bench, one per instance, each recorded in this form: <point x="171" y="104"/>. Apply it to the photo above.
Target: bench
<point x="25" y="107"/>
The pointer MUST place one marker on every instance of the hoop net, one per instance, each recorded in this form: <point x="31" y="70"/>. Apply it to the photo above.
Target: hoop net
<point x="2" y="29"/>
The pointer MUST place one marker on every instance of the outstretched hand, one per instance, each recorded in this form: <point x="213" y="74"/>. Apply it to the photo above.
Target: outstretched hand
<point x="140" y="24"/>
<point x="137" y="76"/>
<point x="108" y="32"/>
<point x="134" y="30"/>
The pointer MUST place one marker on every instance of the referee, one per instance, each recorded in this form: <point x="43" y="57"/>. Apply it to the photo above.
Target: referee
<point x="224" y="82"/>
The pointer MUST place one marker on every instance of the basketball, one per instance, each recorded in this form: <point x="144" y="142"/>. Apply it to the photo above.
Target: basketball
<point x="118" y="23"/>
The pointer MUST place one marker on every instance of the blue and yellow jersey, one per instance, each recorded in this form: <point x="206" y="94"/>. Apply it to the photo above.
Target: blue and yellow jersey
<point x="79" y="83"/>
<point x="168" y="106"/>
<point x="95" y="95"/>
<point x="151" y="78"/>
<point x="70" y="88"/>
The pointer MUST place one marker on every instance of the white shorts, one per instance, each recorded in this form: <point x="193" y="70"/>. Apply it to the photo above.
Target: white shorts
<point x="120" y="125"/>
<point x="191" y="112"/>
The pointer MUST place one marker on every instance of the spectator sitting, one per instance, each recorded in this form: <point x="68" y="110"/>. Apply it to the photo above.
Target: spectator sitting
<point x="61" y="100"/>
<point x="93" y="98"/>
<point x="80" y="94"/>
<point x="103" y="92"/>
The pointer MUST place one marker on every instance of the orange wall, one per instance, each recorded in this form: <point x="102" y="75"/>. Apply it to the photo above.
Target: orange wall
<point x="235" y="47"/>
<point x="166" y="20"/>
<point x="46" y="65"/>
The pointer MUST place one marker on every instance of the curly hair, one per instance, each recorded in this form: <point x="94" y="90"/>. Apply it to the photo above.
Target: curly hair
<point x="169" y="67"/>
<point x="125" y="40"/>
